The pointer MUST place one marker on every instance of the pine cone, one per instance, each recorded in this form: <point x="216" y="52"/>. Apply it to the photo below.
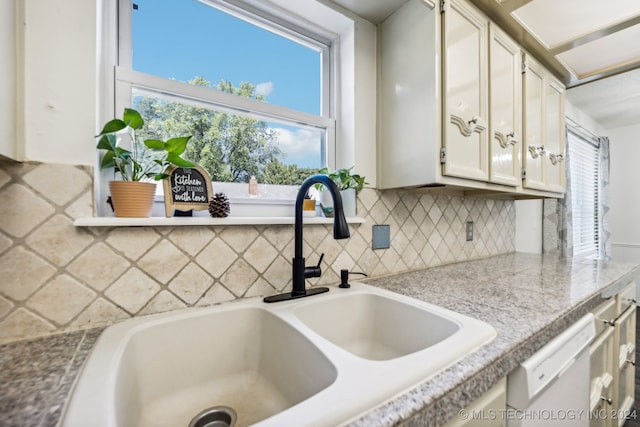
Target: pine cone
<point x="219" y="205"/>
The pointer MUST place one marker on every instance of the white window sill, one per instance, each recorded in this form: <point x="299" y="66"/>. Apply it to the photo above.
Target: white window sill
<point x="199" y="221"/>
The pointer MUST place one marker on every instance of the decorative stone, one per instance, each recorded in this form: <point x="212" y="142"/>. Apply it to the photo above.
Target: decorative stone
<point x="59" y="184"/>
<point x="21" y="210"/>
<point x="23" y="272"/>
<point x="61" y="300"/>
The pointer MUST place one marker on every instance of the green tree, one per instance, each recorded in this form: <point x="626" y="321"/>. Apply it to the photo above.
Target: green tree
<point x="276" y="172"/>
<point x="230" y="147"/>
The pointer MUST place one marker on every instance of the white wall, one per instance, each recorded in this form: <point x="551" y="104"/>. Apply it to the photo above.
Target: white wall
<point x="625" y="192"/>
<point x="529" y="226"/>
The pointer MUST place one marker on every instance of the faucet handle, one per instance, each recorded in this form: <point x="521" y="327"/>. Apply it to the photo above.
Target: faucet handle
<point x="320" y="260"/>
<point x="314" y="271"/>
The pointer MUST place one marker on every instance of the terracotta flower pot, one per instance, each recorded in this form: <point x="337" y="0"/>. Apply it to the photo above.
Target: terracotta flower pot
<point x="132" y="199"/>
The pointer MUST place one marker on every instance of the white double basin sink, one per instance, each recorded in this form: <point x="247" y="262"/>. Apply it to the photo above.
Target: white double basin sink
<point x="316" y="361"/>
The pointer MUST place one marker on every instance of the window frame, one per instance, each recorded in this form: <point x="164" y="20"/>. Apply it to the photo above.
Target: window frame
<point x="579" y="158"/>
<point x="126" y="79"/>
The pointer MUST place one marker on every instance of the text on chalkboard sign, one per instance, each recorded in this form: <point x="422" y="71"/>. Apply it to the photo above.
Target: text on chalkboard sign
<point x="186" y="188"/>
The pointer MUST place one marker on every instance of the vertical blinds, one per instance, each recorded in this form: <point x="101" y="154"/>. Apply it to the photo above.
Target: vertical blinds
<point x="585" y="177"/>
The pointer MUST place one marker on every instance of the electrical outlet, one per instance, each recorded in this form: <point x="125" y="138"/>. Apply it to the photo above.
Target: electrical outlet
<point x="469" y="231"/>
<point x="381" y="237"/>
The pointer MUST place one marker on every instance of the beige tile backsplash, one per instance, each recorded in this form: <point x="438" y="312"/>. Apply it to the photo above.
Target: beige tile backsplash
<point x="55" y="277"/>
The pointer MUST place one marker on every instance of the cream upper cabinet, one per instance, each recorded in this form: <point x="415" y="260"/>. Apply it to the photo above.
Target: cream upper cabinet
<point x="544" y="129"/>
<point x="465" y="127"/>
<point x="505" y="98"/>
<point x="555" y="136"/>
<point x="533" y="85"/>
<point x="451" y="104"/>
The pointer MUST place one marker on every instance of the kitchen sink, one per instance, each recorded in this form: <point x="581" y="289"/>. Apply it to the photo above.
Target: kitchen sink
<point x="164" y="371"/>
<point x="319" y="361"/>
<point x="375" y="327"/>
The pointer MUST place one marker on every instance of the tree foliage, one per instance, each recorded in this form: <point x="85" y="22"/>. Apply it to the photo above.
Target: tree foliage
<point x="230" y="147"/>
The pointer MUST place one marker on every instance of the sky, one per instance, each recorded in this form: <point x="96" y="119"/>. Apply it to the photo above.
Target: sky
<point x="186" y="38"/>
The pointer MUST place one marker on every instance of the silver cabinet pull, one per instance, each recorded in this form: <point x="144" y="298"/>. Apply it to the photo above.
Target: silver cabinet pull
<point x="505" y="140"/>
<point x="536" y="151"/>
<point x="555" y="158"/>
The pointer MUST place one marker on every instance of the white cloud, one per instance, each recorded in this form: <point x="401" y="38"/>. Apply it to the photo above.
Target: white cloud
<point x="264" y="88"/>
<point x="299" y="145"/>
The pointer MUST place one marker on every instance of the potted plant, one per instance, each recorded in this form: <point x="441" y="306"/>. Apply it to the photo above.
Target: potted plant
<point x="349" y="185"/>
<point x="132" y="196"/>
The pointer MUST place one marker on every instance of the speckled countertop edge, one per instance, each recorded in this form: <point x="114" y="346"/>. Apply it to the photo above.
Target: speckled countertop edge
<point x="543" y="294"/>
<point x="528" y="299"/>
<point x="36" y="377"/>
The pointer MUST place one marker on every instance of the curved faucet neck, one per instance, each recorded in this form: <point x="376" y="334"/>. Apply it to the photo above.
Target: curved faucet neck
<point x="340" y="226"/>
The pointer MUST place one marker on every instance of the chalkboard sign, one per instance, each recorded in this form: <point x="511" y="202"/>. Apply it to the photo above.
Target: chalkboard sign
<point x="186" y="188"/>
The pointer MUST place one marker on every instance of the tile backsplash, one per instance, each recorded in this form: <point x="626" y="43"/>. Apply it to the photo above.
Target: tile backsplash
<point x="56" y="277"/>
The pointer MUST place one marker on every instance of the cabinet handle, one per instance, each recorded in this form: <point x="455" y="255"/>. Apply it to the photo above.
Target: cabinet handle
<point x="505" y="140"/>
<point x="556" y="158"/>
<point x="536" y="151"/>
<point x="467" y="127"/>
<point x="610" y="322"/>
<point x="607" y="399"/>
<point x="631" y="362"/>
<point x="472" y="124"/>
<point x="631" y="300"/>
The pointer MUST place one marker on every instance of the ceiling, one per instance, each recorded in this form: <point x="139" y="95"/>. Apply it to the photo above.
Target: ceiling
<point x="590" y="45"/>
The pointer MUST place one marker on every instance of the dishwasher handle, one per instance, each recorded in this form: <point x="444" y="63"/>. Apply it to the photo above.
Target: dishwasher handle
<point x="566" y="367"/>
<point x="554" y="359"/>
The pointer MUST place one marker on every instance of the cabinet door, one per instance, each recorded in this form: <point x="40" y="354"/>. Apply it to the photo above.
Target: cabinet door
<point x="555" y="137"/>
<point x="465" y="136"/>
<point x="624" y="391"/>
<point x="534" y="133"/>
<point x="505" y="99"/>
<point x="603" y="367"/>
<point x="486" y="411"/>
<point x="626" y="297"/>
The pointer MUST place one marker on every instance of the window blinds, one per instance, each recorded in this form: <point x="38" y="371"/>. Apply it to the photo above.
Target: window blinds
<point x="584" y="167"/>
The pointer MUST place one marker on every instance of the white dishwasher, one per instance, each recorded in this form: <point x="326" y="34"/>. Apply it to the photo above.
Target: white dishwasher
<point x="551" y="388"/>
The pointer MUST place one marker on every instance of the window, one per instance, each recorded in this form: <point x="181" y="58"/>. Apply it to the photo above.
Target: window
<point x="253" y="90"/>
<point x="584" y="167"/>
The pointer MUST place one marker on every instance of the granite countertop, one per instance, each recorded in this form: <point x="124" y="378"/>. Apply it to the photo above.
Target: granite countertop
<point x="36" y="377"/>
<point x="528" y="299"/>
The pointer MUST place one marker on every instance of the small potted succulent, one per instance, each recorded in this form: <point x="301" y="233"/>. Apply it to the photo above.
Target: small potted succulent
<point x="349" y="185"/>
<point x="132" y="196"/>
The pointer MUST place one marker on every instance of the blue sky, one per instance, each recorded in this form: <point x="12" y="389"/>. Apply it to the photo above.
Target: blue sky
<point x="182" y="39"/>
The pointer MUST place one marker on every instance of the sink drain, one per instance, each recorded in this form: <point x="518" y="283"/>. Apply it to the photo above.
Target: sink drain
<point x="218" y="416"/>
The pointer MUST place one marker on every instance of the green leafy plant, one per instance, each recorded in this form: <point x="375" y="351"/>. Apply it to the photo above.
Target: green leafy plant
<point x="344" y="179"/>
<point x="145" y="160"/>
